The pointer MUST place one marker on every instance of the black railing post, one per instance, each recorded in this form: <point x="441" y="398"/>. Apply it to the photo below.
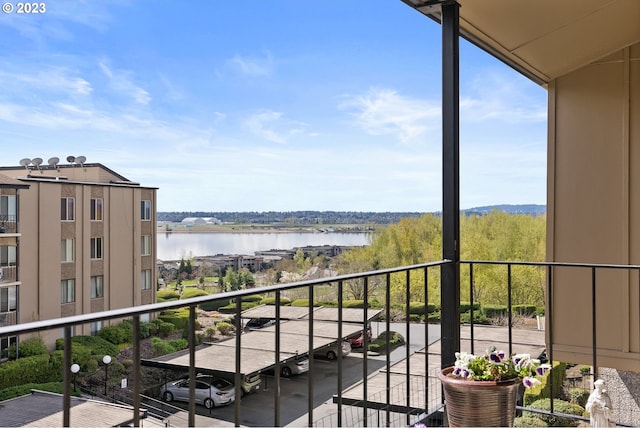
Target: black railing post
<point x="509" y="313"/>
<point x="407" y="346"/>
<point x="137" y="375"/>
<point x="593" y="322"/>
<point x="340" y="303"/>
<point x="310" y="384"/>
<point x="238" y="375"/>
<point x="66" y="369"/>
<point x="471" y="313"/>
<point x="365" y="366"/>
<point x="387" y="320"/>
<point x="276" y="416"/>
<point x="192" y="366"/>
<point x="450" y="295"/>
<point x="426" y="339"/>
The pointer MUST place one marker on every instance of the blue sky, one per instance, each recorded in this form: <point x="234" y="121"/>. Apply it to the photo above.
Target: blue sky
<point x="266" y="105"/>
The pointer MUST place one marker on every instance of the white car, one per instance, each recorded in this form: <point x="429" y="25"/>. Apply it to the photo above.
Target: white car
<point x="295" y="367"/>
<point x="210" y="391"/>
<point x="331" y="352"/>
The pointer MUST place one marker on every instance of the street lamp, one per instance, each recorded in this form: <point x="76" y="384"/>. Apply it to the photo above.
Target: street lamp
<point x="106" y="360"/>
<point x="74" y="369"/>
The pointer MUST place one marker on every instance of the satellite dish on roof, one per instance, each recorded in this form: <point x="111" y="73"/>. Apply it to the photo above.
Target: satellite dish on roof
<point x="53" y="161"/>
<point x="80" y="160"/>
<point x="37" y="162"/>
<point x="71" y="158"/>
<point x="25" y="162"/>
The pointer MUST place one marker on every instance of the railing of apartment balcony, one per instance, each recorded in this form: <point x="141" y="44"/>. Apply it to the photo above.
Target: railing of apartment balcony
<point x="412" y="398"/>
<point x="8" y="223"/>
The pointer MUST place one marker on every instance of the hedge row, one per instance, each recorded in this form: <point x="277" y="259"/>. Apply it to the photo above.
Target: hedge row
<point x="36" y="369"/>
<point x="538" y="392"/>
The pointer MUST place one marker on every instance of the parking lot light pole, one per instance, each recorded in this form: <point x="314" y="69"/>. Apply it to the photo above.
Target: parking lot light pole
<point x="74" y="369"/>
<point x="106" y="360"/>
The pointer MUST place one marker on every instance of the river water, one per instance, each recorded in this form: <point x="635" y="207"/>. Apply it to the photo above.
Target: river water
<point x="175" y="246"/>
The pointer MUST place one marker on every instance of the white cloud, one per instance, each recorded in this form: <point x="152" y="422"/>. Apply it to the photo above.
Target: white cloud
<point x="493" y="95"/>
<point x="272" y="126"/>
<point x="121" y="82"/>
<point x="252" y="66"/>
<point x="385" y="112"/>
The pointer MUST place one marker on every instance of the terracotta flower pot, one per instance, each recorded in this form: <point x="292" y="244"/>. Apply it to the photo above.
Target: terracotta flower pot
<point x="472" y="403"/>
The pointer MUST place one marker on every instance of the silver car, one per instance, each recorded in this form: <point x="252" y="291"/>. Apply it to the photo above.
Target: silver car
<point x="295" y="367"/>
<point x="210" y="391"/>
<point x="331" y="352"/>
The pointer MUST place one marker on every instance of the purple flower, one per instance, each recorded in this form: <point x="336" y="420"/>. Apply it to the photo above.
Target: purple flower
<point x="542" y="369"/>
<point x="528" y="382"/>
<point x="496" y="357"/>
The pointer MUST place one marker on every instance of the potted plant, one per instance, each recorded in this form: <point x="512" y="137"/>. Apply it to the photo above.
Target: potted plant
<point x="483" y="390"/>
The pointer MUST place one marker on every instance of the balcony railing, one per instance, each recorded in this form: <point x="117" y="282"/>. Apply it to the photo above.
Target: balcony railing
<point x="8" y="223"/>
<point x="410" y="391"/>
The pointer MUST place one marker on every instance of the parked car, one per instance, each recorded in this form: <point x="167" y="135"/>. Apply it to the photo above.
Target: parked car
<point x="258" y="323"/>
<point x="251" y="383"/>
<point x="210" y="391"/>
<point x="331" y="352"/>
<point x="294" y="366"/>
<point x="356" y="340"/>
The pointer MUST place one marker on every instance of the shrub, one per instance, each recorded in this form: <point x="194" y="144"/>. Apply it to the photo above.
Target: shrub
<point x="303" y="303"/>
<point x="231" y="308"/>
<point x="113" y="334"/>
<point x="535" y="393"/>
<point x="215" y="305"/>
<point x="585" y="370"/>
<point x="416" y="308"/>
<point x="20" y="390"/>
<point x="529" y="421"/>
<point x="380" y="343"/>
<point x="39" y="368"/>
<point x="559" y="406"/>
<point x="494" y="311"/>
<point x="224" y="327"/>
<point x="284" y="301"/>
<point x="97" y="345"/>
<point x="252" y="298"/>
<point x="525" y="310"/>
<point x="28" y="348"/>
<point x="192" y="292"/>
<point x="353" y="303"/>
<point x="178" y="344"/>
<point x="167" y="295"/>
<point x="161" y="347"/>
<point x="478" y="318"/>
<point x="178" y="317"/>
<point x="578" y="396"/>
<point x="165" y="328"/>
<point x="466" y="306"/>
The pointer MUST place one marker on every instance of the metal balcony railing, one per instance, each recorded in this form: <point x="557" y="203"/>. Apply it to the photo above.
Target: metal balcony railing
<point x="411" y="391"/>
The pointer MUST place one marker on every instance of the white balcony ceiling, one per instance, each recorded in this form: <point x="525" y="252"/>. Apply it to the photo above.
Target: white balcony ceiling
<point x="545" y="39"/>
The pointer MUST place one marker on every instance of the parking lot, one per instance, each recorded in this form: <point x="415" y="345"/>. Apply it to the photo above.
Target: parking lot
<point x="258" y="407"/>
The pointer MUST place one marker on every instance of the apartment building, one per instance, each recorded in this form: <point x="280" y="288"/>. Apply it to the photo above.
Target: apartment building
<point x="87" y="241"/>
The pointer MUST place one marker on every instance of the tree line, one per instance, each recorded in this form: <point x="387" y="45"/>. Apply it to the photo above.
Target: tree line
<point x="497" y="236"/>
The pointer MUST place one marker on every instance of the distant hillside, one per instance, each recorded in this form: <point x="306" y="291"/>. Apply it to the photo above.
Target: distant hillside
<point x="530" y="209"/>
<point x="333" y="217"/>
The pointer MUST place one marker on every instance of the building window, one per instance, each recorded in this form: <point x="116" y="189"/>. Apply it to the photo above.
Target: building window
<point x="8" y="299"/>
<point x="7" y="255"/>
<point x="67" y="291"/>
<point x="67" y="209"/>
<point x="96" y="248"/>
<point x="66" y="250"/>
<point x="145" y="244"/>
<point x="96" y="209"/>
<point x="145" y="279"/>
<point x="95" y="327"/>
<point x="8" y="207"/>
<point x="5" y="343"/>
<point x="145" y="210"/>
<point x="97" y="289"/>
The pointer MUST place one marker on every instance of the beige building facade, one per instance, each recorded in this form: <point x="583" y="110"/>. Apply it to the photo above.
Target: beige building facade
<point x="87" y="242"/>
